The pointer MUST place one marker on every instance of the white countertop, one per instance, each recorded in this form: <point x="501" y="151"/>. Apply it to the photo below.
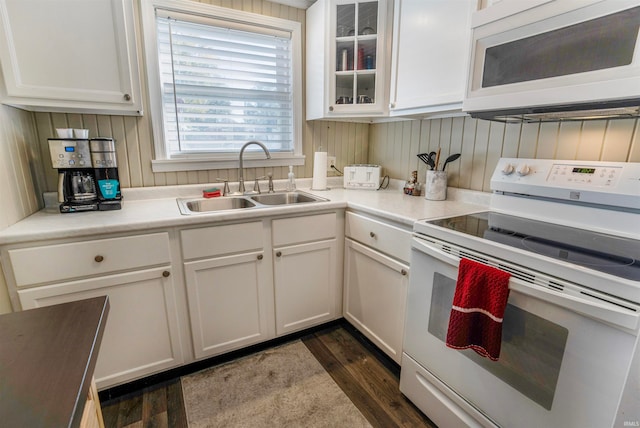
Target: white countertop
<point x="153" y="208"/>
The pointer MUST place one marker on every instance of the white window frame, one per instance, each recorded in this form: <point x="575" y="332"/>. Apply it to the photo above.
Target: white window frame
<point x="161" y="162"/>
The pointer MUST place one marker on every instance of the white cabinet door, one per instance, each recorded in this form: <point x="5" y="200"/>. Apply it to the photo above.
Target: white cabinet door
<point x="347" y="59"/>
<point x="430" y="55"/>
<point x="374" y="296"/>
<point x="70" y="55"/>
<point x="230" y="302"/>
<point x="141" y="336"/>
<point x="306" y="285"/>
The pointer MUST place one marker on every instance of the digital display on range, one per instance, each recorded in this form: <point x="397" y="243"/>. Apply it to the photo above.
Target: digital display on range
<point x="69" y="149"/>
<point x="584" y="170"/>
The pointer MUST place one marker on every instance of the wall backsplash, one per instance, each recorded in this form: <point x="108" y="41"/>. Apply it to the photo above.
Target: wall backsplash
<point x="21" y="172"/>
<point x="395" y="145"/>
<point x="345" y="140"/>
<point x="20" y="175"/>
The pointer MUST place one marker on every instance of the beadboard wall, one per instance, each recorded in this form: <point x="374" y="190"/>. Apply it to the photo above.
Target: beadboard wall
<point x="21" y="175"/>
<point x="21" y="179"/>
<point x="395" y="145"/>
<point x="347" y="141"/>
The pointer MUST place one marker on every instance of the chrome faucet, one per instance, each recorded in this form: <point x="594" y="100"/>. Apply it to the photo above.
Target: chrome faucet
<point x="241" y="189"/>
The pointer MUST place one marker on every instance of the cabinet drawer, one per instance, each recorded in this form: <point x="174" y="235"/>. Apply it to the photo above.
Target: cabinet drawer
<point x="53" y="263"/>
<point x="288" y="231"/>
<point x="383" y="237"/>
<point x="219" y="240"/>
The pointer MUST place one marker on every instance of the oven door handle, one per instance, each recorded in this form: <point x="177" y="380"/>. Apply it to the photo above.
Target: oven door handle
<point x="590" y="307"/>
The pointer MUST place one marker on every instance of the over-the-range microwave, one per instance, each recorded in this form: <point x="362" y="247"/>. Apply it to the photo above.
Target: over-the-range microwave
<point x="555" y="60"/>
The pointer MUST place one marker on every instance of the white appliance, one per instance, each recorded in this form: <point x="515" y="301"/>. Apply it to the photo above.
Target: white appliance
<point x="365" y="177"/>
<point x="554" y="60"/>
<point x="568" y="232"/>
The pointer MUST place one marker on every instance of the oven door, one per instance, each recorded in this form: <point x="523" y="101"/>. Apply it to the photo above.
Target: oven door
<point x="564" y="359"/>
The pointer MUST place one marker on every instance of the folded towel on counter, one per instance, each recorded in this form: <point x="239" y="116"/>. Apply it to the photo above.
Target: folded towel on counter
<point x="479" y="303"/>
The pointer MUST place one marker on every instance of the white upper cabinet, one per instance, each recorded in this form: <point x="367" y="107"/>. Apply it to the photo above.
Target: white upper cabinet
<point x="429" y="56"/>
<point x="347" y="59"/>
<point x="70" y="56"/>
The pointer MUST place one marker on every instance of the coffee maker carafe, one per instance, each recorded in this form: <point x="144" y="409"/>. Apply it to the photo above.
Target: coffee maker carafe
<point x="76" y="179"/>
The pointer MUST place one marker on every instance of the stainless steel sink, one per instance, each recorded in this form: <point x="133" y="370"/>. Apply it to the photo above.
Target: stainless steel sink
<point x="191" y="206"/>
<point x="206" y="205"/>
<point x="285" y="198"/>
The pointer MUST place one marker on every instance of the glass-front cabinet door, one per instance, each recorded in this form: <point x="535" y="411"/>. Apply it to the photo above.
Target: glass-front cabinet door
<point x="355" y="69"/>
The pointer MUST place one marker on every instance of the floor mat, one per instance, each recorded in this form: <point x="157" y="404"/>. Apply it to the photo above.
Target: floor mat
<point x="280" y="387"/>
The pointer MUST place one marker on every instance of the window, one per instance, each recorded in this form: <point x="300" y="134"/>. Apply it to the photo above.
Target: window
<point x="219" y="78"/>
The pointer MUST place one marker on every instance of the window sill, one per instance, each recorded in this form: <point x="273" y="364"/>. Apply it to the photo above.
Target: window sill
<point x="170" y="165"/>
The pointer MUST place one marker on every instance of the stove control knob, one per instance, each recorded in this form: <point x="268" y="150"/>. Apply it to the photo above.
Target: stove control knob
<point x="523" y="169"/>
<point x="508" y="169"/>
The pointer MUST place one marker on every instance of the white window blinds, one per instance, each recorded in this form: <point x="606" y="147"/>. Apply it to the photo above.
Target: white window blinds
<point x="224" y="84"/>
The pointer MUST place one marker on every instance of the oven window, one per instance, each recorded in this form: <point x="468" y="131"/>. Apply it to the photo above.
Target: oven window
<point x="532" y="347"/>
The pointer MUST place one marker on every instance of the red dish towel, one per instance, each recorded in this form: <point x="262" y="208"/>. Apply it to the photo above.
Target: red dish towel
<point x="478" y="308"/>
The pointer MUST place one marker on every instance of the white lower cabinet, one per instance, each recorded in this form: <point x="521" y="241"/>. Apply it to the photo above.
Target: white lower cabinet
<point x="305" y="285"/>
<point x="229" y="287"/>
<point x="307" y="281"/>
<point x="142" y="334"/>
<point x="375" y="292"/>
<point x="250" y="282"/>
<point x="229" y="302"/>
<point x="375" y="283"/>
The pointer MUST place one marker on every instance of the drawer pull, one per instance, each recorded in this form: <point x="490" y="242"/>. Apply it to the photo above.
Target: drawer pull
<point x="98" y="259"/>
<point x="403" y="272"/>
<point x="371" y="234"/>
<point x="278" y="253"/>
<point x="166" y="274"/>
<point x="260" y="256"/>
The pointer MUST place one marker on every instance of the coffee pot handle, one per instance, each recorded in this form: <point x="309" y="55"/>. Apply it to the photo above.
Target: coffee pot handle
<point x="61" y="190"/>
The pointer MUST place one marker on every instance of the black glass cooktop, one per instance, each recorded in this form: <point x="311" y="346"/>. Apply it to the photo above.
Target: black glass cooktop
<point x="605" y="253"/>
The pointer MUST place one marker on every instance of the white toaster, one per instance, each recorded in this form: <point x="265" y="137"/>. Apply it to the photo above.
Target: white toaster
<point x="362" y="177"/>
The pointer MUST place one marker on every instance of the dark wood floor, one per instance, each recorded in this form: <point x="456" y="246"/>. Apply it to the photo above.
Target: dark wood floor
<point x="366" y="376"/>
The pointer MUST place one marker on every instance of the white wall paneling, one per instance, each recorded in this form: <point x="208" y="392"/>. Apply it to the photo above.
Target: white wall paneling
<point x="481" y="143"/>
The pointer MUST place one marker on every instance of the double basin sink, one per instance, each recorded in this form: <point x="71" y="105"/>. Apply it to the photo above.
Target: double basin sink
<point x="190" y="206"/>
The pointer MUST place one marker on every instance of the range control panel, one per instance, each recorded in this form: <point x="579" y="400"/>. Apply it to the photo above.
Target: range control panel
<point x="597" y="176"/>
<point x="593" y="182"/>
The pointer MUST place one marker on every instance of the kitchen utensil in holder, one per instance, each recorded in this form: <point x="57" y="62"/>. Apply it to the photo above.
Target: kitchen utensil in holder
<point x="435" y="188"/>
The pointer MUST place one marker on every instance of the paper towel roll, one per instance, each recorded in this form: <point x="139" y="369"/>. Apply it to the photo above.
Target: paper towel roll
<point x="319" y="171"/>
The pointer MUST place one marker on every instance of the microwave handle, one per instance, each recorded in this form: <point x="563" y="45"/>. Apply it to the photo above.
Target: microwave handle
<point x="597" y="310"/>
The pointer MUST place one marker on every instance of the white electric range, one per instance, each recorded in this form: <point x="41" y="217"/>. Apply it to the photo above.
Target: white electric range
<point x="568" y="232"/>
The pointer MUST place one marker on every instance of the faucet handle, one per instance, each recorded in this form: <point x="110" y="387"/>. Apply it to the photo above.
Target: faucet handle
<point x="270" y="177"/>
<point x="226" y="190"/>
<point x="256" y="184"/>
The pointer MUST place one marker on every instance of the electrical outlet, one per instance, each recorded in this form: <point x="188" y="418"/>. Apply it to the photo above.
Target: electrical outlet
<point x="331" y="161"/>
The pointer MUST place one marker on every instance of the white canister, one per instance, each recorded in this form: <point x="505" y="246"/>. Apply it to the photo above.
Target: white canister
<point x="435" y="188"/>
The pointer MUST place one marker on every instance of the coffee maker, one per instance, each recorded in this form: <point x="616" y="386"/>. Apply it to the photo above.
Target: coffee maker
<point x="87" y="181"/>
<point x="105" y="169"/>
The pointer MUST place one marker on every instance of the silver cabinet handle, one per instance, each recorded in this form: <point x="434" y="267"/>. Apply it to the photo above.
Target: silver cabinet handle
<point x="127" y="97"/>
<point x="260" y="256"/>
<point x="278" y="253"/>
<point x="403" y="272"/>
<point x="330" y="108"/>
<point x="98" y="258"/>
<point x="166" y="274"/>
<point x="371" y="234"/>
